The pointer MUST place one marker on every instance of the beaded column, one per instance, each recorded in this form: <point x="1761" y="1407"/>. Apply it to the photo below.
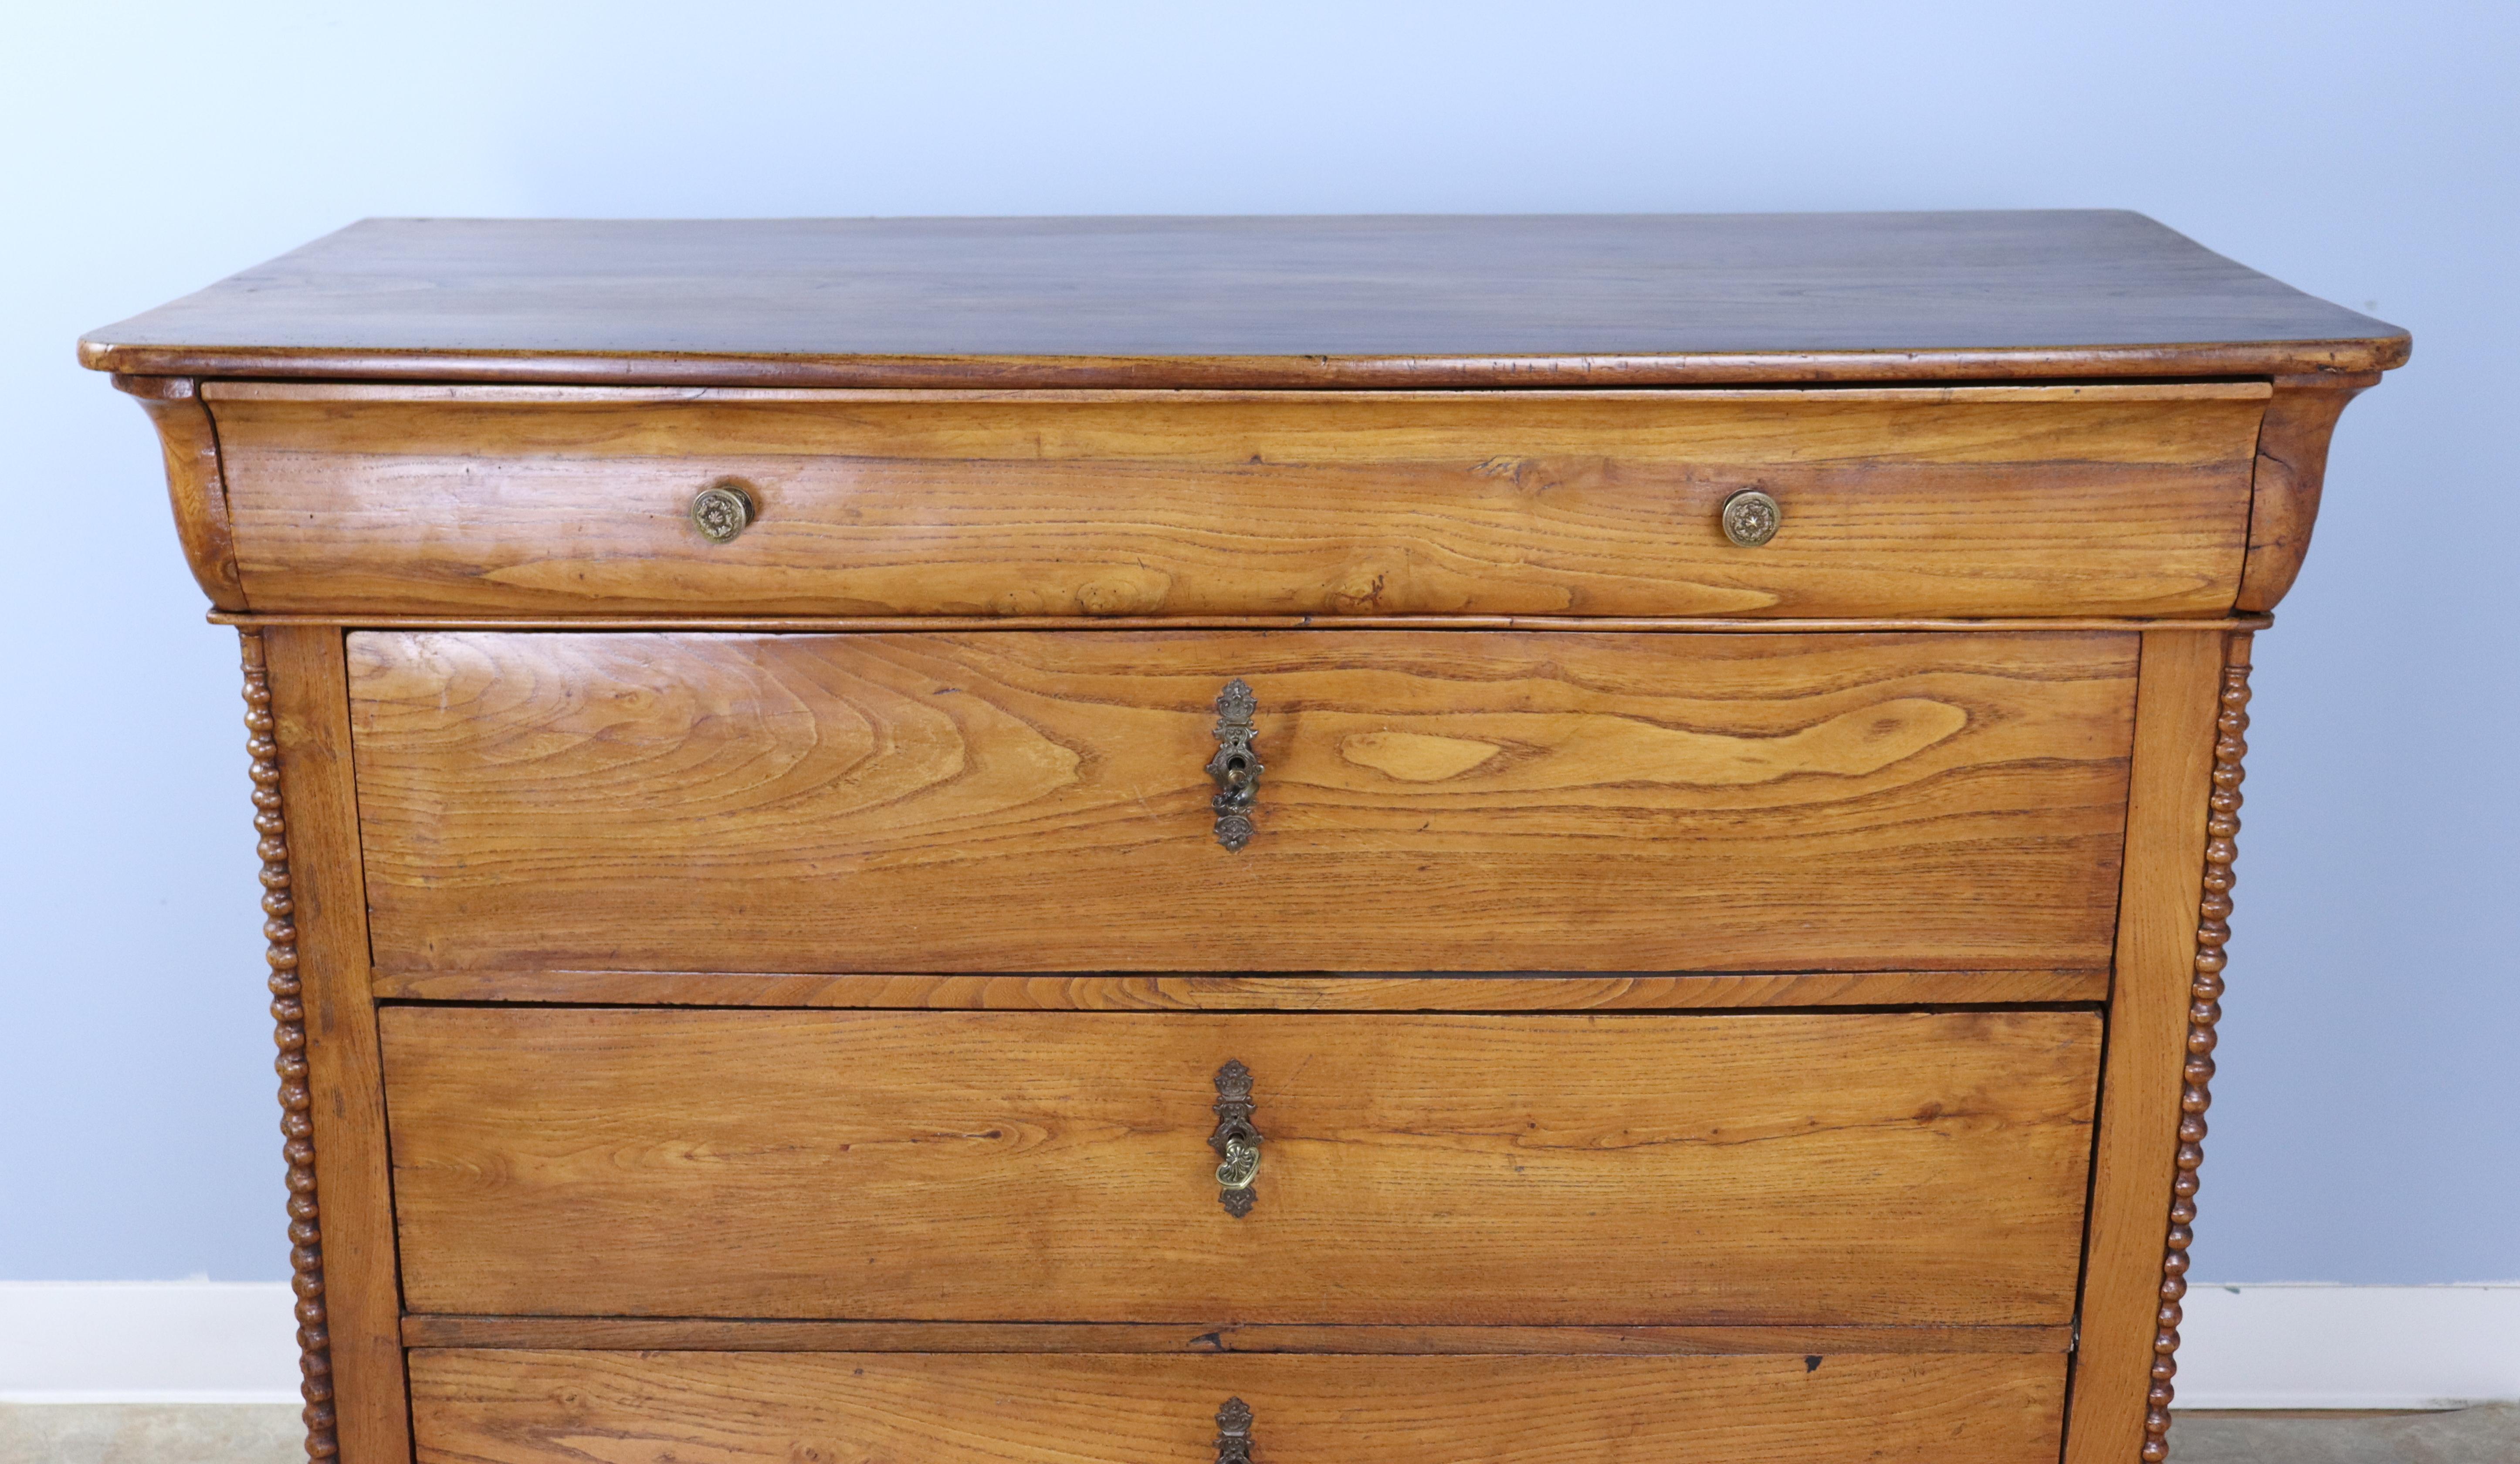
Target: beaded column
<point x="2204" y="1010"/>
<point x="288" y="1014"/>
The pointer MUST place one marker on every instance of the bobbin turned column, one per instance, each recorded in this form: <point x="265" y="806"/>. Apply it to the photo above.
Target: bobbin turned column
<point x="288" y="1014"/>
<point x="2205" y="1010"/>
<point x="344" y="1262"/>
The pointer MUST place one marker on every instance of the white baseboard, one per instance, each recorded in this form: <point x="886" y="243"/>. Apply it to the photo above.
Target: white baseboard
<point x="2311" y="1346"/>
<point x="2245" y="1347"/>
<point x="147" y="1341"/>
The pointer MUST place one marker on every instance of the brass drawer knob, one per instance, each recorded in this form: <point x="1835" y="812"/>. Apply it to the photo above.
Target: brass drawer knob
<point x="1233" y="1433"/>
<point x="721" y="511"/>
<point x="1236" y="1142"/>
<point x="1751" y="518"/>
<point x="1235" y="767"/>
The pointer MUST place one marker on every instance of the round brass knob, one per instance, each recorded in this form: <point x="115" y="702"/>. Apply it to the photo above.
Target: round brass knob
<point x="1751" y="518"/>
<point x="721" y="511"/>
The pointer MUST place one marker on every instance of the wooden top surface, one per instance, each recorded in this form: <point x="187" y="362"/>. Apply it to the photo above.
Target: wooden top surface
<point x="1261" y="301"/>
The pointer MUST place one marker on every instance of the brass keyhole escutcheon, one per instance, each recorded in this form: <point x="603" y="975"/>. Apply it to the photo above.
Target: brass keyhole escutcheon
<point x="1233" y="1433"/>
<point x="721" y="511"/>
<point x="1751" y="518"/>
<point x="1236" y="767"/>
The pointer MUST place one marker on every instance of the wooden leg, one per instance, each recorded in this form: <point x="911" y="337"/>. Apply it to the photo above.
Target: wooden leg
<point x="341" y="1209"/>
<point x="2129" y="1296"/>
<point x="2204" y="1011"/>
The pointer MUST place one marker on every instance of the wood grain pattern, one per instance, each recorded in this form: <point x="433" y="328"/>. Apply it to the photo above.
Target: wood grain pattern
<point x="2177" y="705"/>
<point x="1038" y="802"/>
<point x="2292" y="466"/>
<point x="1627" y="624"/>
<point x="503" y="1408"/>
<point x="2115" y="501"/>
<point x="451" y="392"/>
<point x="1414" y="993"/>
<point x="195" y="489"/>
<point x="1804" y="1170"/>
<point x="1514" y="301"/>
<point x="639" y="1334"/>
<point x="352" y="1295"/>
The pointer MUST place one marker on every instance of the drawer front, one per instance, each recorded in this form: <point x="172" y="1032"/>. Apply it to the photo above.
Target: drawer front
<point x="1431" y="800"/>
<point x="2096" y="500"/>
<point x="529" y="1408"/>
<point x="1857" y="1169"/>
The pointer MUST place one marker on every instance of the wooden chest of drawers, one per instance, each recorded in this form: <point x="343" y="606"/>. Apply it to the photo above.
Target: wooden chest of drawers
<point x="1268" y="841"/>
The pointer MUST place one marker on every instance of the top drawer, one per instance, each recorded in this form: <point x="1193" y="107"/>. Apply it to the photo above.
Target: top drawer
<point x="2128" y="500"/>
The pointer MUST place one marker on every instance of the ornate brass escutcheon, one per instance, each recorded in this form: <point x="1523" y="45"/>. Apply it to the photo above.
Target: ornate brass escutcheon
<point x="1236" y="1142"/>
<point x="1233" y="1433"/>
<point x="721" y="511"/>
<point x="1235" y="767"/>
<point x="1752" y="518"/>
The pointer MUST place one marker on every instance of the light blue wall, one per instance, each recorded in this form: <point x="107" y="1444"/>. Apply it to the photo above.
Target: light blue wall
<point x="2368" y="1127"/>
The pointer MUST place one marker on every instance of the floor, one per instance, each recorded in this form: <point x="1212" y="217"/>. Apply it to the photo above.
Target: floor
<point x="151" y="1434"/>
<point x="102" y="1434"/>
<point x="2486" y="1435"/>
